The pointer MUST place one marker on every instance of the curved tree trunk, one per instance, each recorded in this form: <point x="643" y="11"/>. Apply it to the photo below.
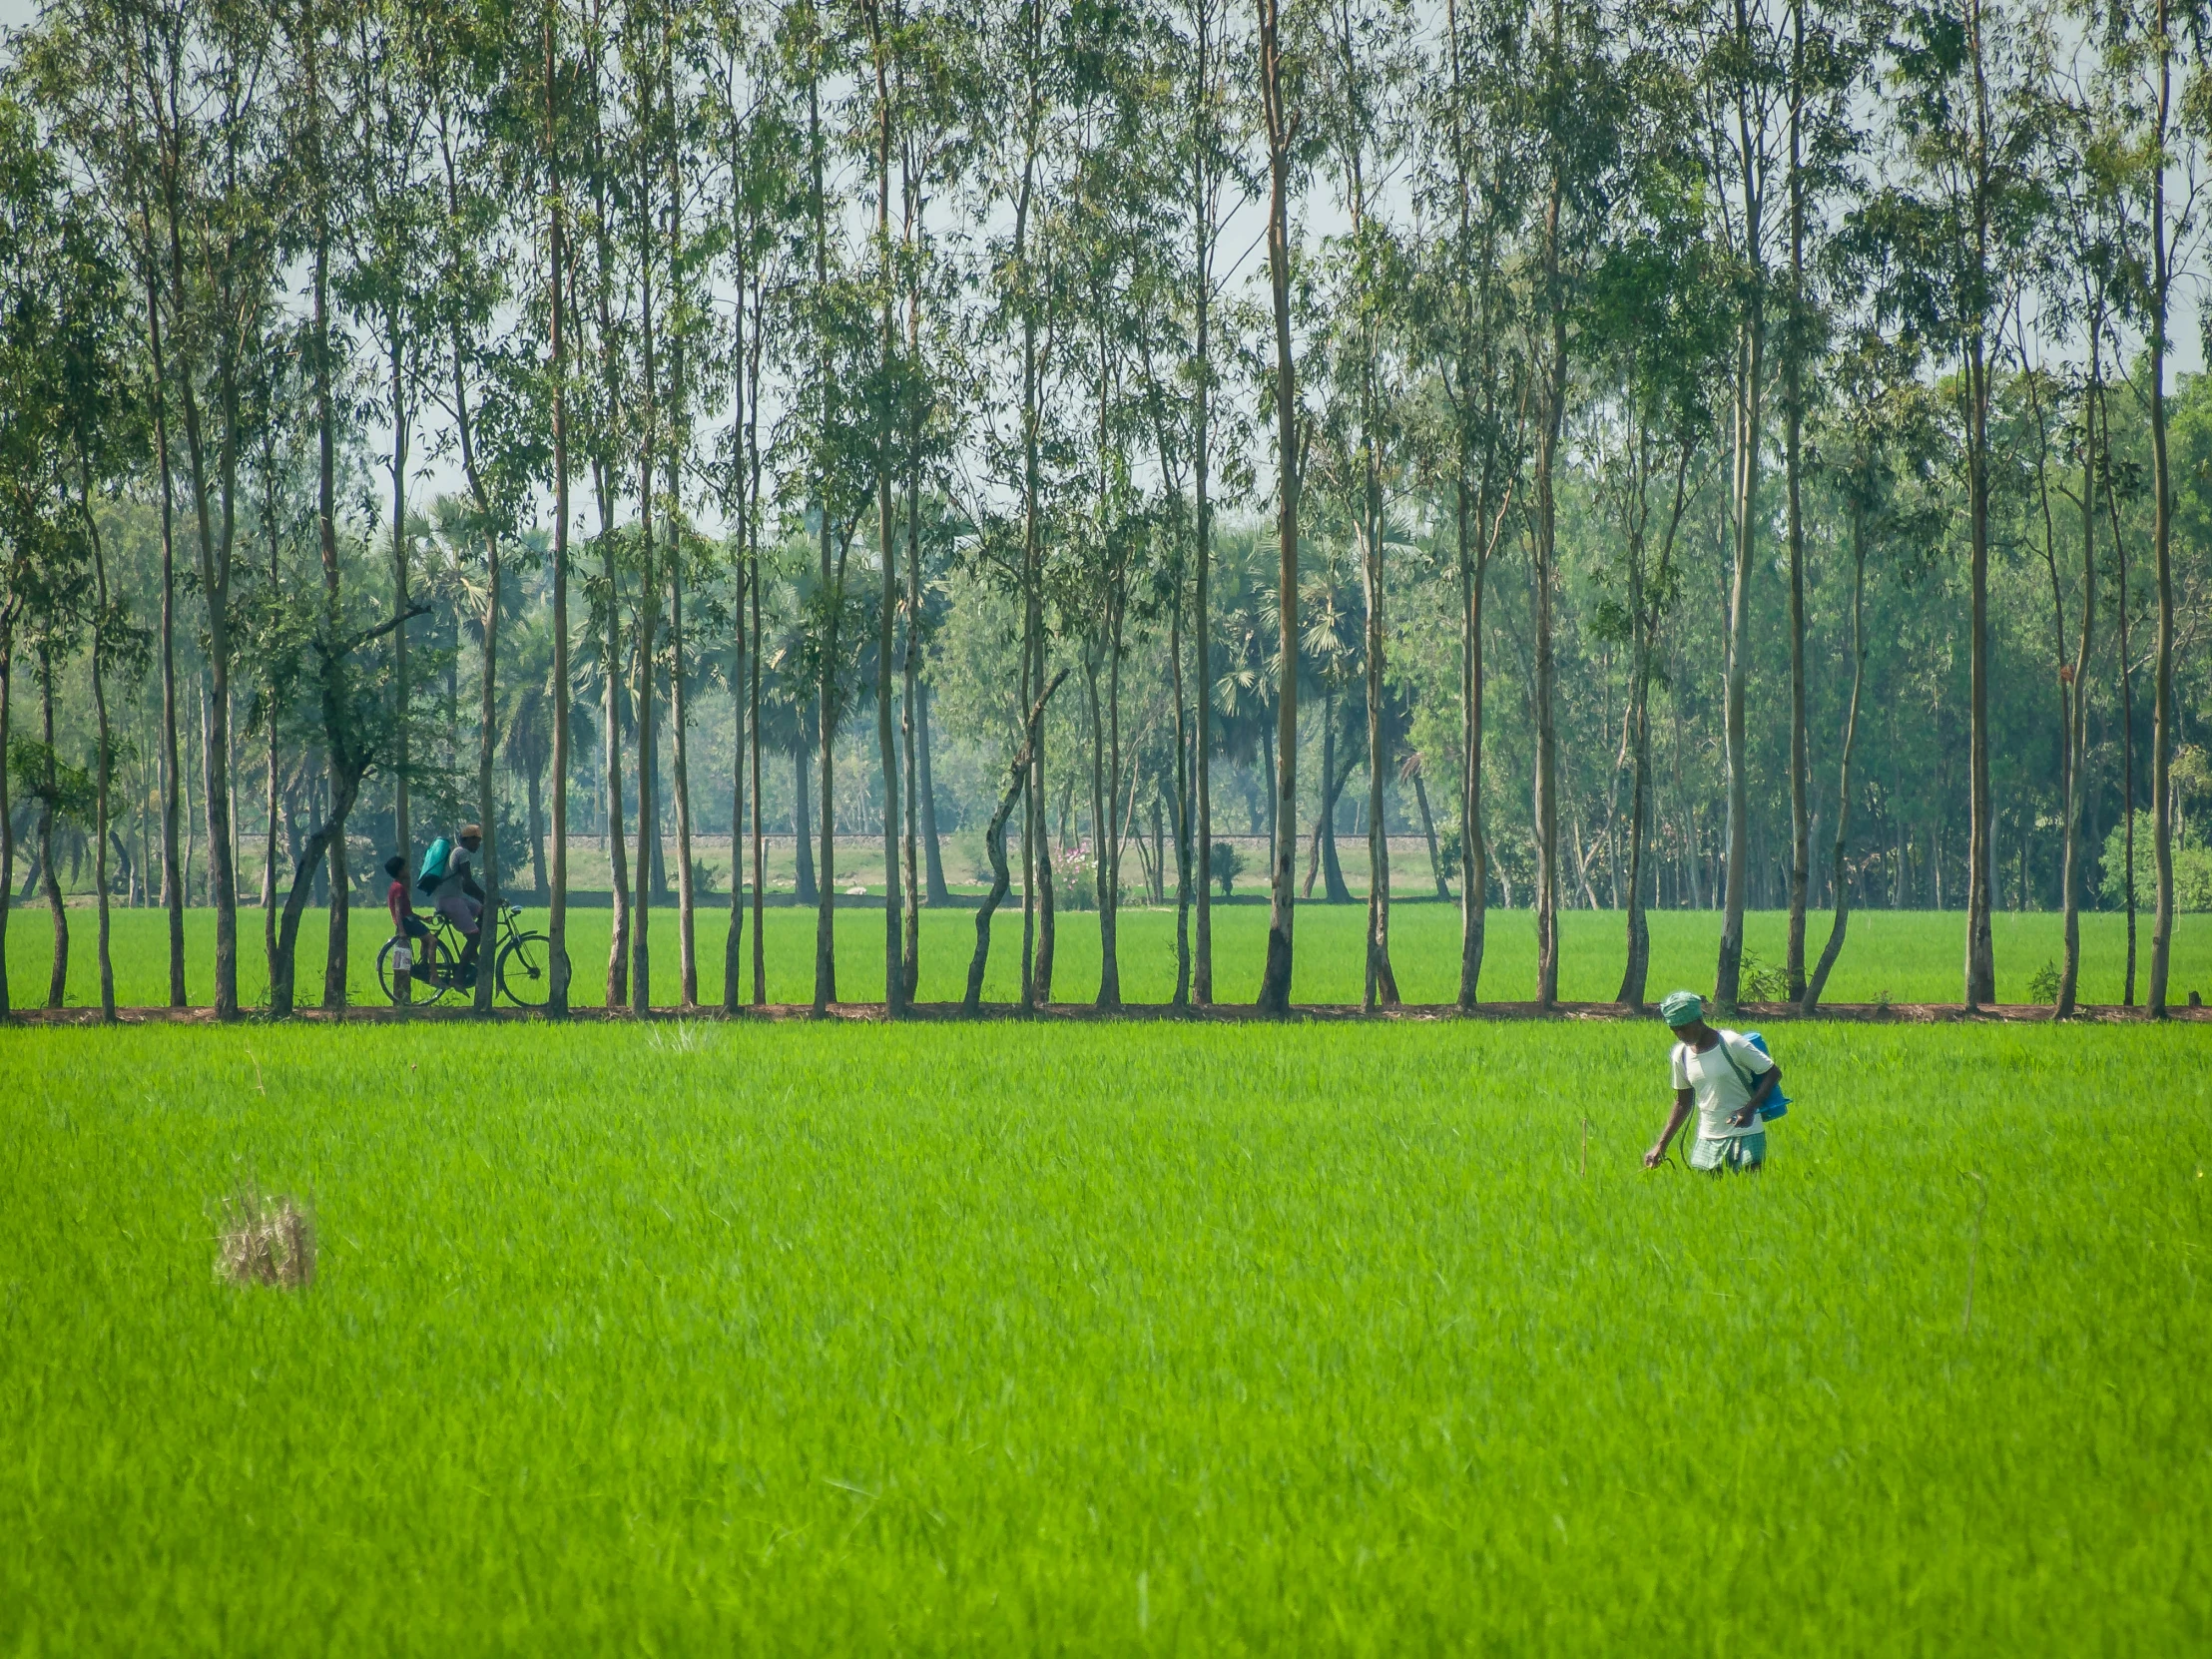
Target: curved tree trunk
<point x="1018" y="776"/>
<point x="1810" y="999"/>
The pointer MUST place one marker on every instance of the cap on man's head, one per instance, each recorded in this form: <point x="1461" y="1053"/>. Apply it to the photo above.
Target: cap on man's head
<point x="472" y="832"/>
<point x="1680" y="1008"/>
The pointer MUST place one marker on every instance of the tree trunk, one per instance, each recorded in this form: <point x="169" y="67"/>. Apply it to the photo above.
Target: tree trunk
<point x="103" y="760"/>
<point x="1202" y="621"/>
<point x="752" y="681"/>
<point x="1428" y="834"/>
<point x="556" y="926"/>
<point x="1275" y="978"/>
<point x="1809" y="1001"/>
<point x="886" y="540"/>
<point x="1380" y="987"/>
<point x="648" y="623"/>
<point x="803" y="829"/>
<point x="826" y="898"/>
<point x="1636" y="969"/>
<point x="733" y="954"/>
<point x="57" y="980"/>
<point x="269" y="854"/>
<point x="932" y="852"/>
<point x="345" y="787"/>
<point x="215" y="583"/>
<point x="1793" y="431"/>
<point x="1182" y="807"/>
<point x="2128" y="711"/>
<point x="1018" y="778"/>
<point x="909" y="698"/>
<point x="1981" y="977"/>
<point x="337" y="946"/>
<point x="1750" y="368"/>
<point x="2162" y="492"/>
<point x="1116" y="826"/>
<point x="402" y="830"/>
<point x="1474" y="873"/>
<point x="610" y="662"/>
<point x="173" y="879"/>
<point x="1102" y="831"/>
<point x="487" y="706"/>
<point x="1543" y="547"/>
<point x="1047" y="851"/>
<point x="686" y="938"/>
<point x="2074" y="698"/>
<point x="487" y="751"/>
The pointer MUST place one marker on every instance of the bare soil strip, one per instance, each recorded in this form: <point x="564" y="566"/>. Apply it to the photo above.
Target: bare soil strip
<point x="1881" y="1014"/>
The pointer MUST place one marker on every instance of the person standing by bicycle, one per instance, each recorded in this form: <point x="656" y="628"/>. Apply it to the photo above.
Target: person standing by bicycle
<point x="459" y="899"/>
<point x="404" y="922"/>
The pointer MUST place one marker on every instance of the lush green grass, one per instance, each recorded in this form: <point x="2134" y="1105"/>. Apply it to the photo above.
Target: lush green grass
<point x="1103" y="1339"/>
<point x="1909" y="956"/>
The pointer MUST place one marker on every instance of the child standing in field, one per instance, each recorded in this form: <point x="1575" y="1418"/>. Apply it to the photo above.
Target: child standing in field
<point x="1727" y="1080"/>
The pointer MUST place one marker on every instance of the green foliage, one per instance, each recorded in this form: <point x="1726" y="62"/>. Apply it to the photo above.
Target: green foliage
<point x="1760" y="980"/>
<point x="2043" y="986"/>
<point x="2192" y="869"/>
<point x="1227" y="863"/>
<point x="37" y="773"/>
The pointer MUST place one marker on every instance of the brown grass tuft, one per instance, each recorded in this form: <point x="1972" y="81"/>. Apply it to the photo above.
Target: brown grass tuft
<point x="266" y="1241"/>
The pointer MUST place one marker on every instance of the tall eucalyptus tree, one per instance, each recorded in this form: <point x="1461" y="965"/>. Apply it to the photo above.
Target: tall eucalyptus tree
<point x="1474" y="195"/>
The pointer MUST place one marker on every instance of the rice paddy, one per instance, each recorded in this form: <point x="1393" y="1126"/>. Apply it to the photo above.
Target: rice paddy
<point x="692" y="1337"/>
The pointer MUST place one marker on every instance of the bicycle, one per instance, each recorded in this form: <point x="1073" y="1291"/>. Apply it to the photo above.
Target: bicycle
<point x="522" y="968"/>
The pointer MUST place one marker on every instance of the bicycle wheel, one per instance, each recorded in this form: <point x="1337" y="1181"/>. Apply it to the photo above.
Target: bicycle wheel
<point x="424" y="991"/>
<point x="384" y="969"/>
<point x="526" y="970"/>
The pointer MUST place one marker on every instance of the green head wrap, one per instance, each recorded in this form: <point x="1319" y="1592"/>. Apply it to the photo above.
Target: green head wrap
<point x="1678" y="1008"/>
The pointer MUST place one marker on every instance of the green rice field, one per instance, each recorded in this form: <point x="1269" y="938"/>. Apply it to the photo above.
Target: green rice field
<point x="1104" y="1338"/>
<point x="1889" y="956"/>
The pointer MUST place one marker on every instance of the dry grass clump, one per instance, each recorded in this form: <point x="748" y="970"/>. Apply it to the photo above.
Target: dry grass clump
<point x="266" y="1241"/>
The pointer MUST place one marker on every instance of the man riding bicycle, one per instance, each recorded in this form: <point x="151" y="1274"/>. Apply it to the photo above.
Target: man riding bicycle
<point x="447" y="871"/>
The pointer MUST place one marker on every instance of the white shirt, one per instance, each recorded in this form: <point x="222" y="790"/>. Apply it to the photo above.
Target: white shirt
<point x="1719" y="1088"/>
<point x="456" y="871"/>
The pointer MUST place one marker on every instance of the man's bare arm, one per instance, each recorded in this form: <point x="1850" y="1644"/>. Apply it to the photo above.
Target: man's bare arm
<point x="1684" y="1099"/>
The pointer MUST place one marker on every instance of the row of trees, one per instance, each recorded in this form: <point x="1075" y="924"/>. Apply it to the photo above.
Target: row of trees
<point x="898" y="349"/>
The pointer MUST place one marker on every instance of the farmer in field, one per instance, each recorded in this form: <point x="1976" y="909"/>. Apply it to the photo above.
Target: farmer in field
<point x="459" y="899"/>
<point x="1726" y="1079"/>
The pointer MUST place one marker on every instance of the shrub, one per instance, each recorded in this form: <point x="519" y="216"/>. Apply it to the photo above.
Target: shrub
<point x="1759" y="982"/>
<point x="1227" y="864"/>
<point x="2043" y="986"/>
